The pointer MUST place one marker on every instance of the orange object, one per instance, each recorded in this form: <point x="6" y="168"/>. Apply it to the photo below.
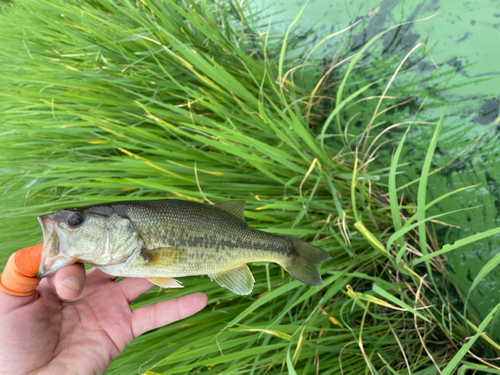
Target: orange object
<point x="18" y="278"/>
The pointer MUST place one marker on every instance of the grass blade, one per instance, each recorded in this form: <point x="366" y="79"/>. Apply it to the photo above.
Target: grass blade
<point x="450" y="367"/>
<point x="459" y="243"/>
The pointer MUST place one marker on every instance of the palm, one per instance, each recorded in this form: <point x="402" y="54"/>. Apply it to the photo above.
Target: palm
<point x="83" y="335"/>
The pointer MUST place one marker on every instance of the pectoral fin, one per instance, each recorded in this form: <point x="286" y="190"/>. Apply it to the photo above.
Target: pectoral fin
<point x="165" y="282"/>
<point x="239" y="281"/>
<point x="162" y="256"/>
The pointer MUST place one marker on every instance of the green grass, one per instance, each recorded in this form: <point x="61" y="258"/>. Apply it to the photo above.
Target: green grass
<point x="101" y="101"/>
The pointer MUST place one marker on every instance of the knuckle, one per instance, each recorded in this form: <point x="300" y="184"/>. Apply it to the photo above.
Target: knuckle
<point x="153" y="316"/>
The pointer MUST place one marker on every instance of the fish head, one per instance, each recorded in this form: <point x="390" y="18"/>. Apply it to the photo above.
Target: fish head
<point x="97" y="236"/>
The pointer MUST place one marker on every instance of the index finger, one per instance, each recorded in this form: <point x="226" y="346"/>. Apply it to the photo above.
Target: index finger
<point x="162" y="313"/>
<point x="67" y="283"/>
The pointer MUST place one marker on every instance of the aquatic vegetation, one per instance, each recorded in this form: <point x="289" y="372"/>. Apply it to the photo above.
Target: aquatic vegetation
<point x="105" y="101"/>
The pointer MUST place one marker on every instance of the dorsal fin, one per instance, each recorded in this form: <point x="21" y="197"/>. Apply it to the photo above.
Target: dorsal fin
<point x="235" y="208"/>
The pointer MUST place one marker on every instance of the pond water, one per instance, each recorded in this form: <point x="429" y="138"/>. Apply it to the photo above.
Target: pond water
<point x="463" y="39"/>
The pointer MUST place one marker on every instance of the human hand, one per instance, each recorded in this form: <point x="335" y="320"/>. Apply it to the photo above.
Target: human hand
<point x="77" y="322"/>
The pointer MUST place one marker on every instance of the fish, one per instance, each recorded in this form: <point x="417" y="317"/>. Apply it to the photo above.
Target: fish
<point x="168" y="238"/>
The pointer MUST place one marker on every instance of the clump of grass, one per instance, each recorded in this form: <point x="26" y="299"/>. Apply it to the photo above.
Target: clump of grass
<point x="104" y="101"/>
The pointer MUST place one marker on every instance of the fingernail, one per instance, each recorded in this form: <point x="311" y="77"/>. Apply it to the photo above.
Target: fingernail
<point x="72" y="282"/>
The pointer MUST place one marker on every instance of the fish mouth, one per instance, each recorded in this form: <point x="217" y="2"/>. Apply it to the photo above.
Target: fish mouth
<point x="54" y="248"/>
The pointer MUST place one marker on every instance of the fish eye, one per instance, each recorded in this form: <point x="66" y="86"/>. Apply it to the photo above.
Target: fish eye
<point x="75" y="220"/>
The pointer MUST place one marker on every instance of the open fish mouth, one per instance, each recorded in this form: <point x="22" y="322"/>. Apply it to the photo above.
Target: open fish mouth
<point x="54" y="248"/>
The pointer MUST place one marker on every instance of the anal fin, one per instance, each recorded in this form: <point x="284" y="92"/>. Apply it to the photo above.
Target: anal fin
<point x="239" y="280"/>
<point x="165" y="282"/>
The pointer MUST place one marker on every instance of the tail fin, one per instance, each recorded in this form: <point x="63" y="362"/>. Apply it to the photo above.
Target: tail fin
<point x="302" y="265"/>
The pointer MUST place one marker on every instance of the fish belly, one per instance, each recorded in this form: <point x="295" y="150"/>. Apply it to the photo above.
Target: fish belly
<point x="196" y="260"/>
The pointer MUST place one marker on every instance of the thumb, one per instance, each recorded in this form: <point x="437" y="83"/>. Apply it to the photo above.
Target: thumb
<point x="68" y="282"/>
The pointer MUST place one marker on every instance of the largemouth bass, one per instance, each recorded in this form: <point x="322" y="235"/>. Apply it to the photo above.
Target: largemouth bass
<point x="163" y="239"/>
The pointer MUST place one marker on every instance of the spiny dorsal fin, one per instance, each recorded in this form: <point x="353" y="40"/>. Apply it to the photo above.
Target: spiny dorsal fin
<point x="239" y="281"/>
<point x="235" y="208"/>
<point x="165" y="282"/>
